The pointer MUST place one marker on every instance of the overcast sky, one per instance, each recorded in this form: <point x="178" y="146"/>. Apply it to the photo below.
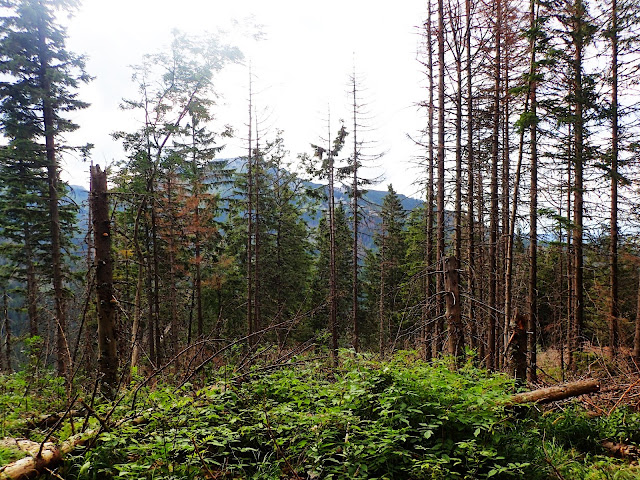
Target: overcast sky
<point x="302" y="67"/>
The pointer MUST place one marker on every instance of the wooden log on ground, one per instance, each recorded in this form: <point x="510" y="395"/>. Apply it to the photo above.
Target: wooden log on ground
<point x="553" y="394"/>
<point x="33" y="464"/>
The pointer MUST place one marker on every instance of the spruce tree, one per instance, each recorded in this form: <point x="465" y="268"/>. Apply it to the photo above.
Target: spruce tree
<point x="40" y="78"/>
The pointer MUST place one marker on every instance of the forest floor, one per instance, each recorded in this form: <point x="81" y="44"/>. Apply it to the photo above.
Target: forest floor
<point x="398" y="419"/>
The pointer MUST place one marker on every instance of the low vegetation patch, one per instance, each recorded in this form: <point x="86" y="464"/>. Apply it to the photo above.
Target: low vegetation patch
<point x="402" y="419"/>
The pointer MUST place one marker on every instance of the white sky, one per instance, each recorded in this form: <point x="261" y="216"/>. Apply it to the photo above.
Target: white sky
<point x="302" y="67"/>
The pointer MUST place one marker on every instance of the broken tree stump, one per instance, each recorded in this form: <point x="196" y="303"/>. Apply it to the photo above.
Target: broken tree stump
<point x="561" y="392"/>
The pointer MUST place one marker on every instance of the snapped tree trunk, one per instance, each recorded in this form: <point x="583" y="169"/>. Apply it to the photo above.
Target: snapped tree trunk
<point x="106" y="305"/>
<point x="453" y="308"/>
<point x="516" y="348"/>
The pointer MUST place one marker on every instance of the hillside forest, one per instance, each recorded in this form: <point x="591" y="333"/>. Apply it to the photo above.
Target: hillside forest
<point x="279" y="282"/>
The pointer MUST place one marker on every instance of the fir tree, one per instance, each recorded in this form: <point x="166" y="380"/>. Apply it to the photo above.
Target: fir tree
<point x="39" y="84"/>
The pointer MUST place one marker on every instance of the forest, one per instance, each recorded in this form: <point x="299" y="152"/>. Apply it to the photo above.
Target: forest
<point x="287" y="316"/>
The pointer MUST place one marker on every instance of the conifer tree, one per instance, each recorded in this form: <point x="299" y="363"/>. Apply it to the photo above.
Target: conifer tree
<point x="41" y="78"/>
<point x="386" y="271"/>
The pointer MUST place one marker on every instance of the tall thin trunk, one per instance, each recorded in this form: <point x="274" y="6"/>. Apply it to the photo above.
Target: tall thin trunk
<point x="471" y="280"/>
<point x="578" y="197"/>
<point x="614" y="311"/>
<point x="32" y="284"/>
<point x="173" y="288"/>
<point x="7" y="330"/>
<point x="151" y="339"/>
<point x="137" y="305"/>
<point x="450" y="267"/>
<point x="356" y="222"/>
<point x="458" y="134"/>
<point x="257" y="187"/>
<point x="532" y="298"/>
<point x="440" y="199"/>
<point x="381" y="294"/>
<point x="570" y="260"/>
<point x="333" y="289"/>
<point x="62" y="350"/>
<point x="156" y="277"/>
<point x="493" y="219"/>
<point x="197" y="235"/>
<point x="506" y="219"/>
<point x="427" y="311"/>
<point x="250" y="292"/>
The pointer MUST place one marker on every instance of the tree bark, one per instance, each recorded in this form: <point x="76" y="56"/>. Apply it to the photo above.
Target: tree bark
<point x="470" y="185"/>
<point x="553" y="394"/>
<point x="532" y="297"/>
<point x="451" y="266"/>
<point x="427" y="310"/>
<point x="356" y="223"/>
<point x="516" y="348"/>
<point x="439" y="330"/>
<point x="491" y="357"/>
<point x="48" y="114"/>
<point x="578" y="191"/>
<point x="106" y="305"/>
<point x="614" y="308"/>
<point x="7" y="330"/>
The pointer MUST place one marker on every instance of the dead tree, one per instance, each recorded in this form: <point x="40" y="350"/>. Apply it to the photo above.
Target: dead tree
<point x="106" y="303"/>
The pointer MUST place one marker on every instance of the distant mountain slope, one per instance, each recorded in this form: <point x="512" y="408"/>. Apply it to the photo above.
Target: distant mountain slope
<point x="370" y="204"/>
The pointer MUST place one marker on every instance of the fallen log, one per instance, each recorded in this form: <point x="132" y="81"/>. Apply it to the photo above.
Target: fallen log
<point x="51" y="455"/>
<point x="50" y="419"/>
<point x="553" y="394"/>
<point x="34" y="464"/>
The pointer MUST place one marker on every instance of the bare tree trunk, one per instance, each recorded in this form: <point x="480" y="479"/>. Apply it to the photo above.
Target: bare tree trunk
<point x="516" y="348"/>
<point x="457" y="252"/>
<point x="173" y="288"/>
<point x="62" y="349"/>
<point x="471" y="279"/>
<point x="137" y="306"/>
<point x="106" y="305"/>
<point x="32" y="286"/>
<point x="427" y="310"/>
<point x="614" y="311"/>
<point x="156" y="278"/>
<point x="381" y="310"/>
<point x="439" y="330"/>
<point x="333" y="287"/>
<point x="493" y="219"/>
<point x="257" y="291"/>
<point x="553" y="394"/>
<point x="356" y="223"/>
<point x="532" y="299"/>
<point x="7" y="330"/>
<point x="197" y="238"/>
<point x="250" y="226"/>
<point x="451" y="265"/>
<point x="570" y="269"/>
<point x="578" y="197"/>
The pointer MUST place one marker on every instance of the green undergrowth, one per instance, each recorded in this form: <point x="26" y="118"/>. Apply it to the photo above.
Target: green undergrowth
<point x="401" y="419"/>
